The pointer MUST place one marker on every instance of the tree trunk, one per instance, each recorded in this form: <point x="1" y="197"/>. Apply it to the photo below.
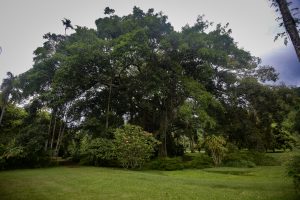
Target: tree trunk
<point x="163" y="135"/>
<point x="2" y="114"/>
<point x="290" y="25"/>
<point x="59" y="138"/>
<point x="53" y="133"/>
<point x="192" y="144"/>
<point x="49" y="134"/>
<point x="108" y="105"/>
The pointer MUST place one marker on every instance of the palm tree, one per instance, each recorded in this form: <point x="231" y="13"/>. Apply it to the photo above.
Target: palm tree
<point x="67" y="24"/>
<point x="7" y="90"/>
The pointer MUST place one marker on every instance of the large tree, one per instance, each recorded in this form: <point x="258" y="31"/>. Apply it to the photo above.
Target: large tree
<point x="138" y="68"/>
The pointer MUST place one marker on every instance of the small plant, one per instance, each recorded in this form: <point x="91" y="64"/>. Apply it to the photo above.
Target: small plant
<point x="133" y="146"/>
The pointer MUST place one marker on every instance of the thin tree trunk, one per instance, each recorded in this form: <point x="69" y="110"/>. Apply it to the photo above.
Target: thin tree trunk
<point x="163" y="136"/>
<point x="290" y="25"/>
<point x="53" y="133"/>
<point x="2" y="114"/>
<point x="59" y="138"/>
<point x="49" y="133"/>
<point x="192" y="144"/>
<point x="108" y="105"/>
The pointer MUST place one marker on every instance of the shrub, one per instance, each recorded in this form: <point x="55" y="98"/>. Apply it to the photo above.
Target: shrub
<point x="14" y="155"/>
<point x="262" y="159"/>
<point x="166" y="164"/>
<point x="10" y="154"/>
<point x="97" y="152"/>
<point x="248" y="159"/>
<point x="200" y="161"/>
<point x="88" y="151"/>
<point x="74" y="151"/>
<point x="133" y="146"/>
<point x="240" y="163"/>
<point x="231" y="147"/>
<point x="294" y="171"/>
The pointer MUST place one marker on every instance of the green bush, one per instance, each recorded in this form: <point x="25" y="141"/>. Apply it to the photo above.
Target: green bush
<point x="97" y="152"/>
<point x="296" y="179"/>
<point x="74" y="151"/>
<point x="240" y="163"/>
<point x="133" y="146"/>
<point x="248" y="159"/>
<point x="13" y="155"/>
<point x="10" y="155"/>
<point x="294" y="171"/>
<point x="262" y="159"/>
<point x="232" y="148"/>
<point x="200" y="161"/>
<point x="166" y="164"/>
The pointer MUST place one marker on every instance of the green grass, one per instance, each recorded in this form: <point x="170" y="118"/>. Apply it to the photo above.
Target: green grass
<point x="105" y="183"/>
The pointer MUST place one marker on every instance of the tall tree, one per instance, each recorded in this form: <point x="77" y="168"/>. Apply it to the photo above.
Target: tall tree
<point x="7" y="89"/>
<point x="137" y="67"/>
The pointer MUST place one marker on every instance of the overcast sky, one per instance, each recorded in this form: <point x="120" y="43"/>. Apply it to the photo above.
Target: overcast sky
<point x="24" y="22"/>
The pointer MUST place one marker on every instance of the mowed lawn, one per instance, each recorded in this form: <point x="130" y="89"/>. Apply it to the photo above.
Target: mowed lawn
<point x="72" y="183"/>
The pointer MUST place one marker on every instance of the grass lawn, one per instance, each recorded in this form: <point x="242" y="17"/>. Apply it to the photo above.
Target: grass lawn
<point x="71" y="183"/>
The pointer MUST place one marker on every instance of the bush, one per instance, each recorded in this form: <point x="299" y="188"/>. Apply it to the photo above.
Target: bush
<point x="297" y="182"/>
<point x="166" y="164"/>
<point x="200" y="161"/>
<point x="13" y="155"/>
<point x="262" y="159"/>
<point x="248" y="159"/>
<point x="232" y="148"/>
<point x="97" y="152"/>
<point x="239" y="163"/>
<point x="133" y="146"/>
<point x="294" y="171"/>
<point x="74" y="151"/>
<point x="10" y="155"/>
